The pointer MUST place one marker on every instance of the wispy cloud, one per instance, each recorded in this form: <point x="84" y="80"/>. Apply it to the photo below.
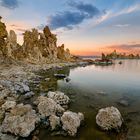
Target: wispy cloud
<point x="126" y="46"/>
<point x="130" y="9"/>
<point x="80" y="12"/>
<point x="21" y="29"/>
<point x="110" y="14"/>
<point x="11" y="4"/>
<point x="122" y="25"/>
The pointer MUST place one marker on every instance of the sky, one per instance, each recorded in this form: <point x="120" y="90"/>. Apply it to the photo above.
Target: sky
<point x="86" y="27"/>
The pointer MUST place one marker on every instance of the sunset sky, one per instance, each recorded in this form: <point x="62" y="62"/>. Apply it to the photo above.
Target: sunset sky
<point x="86" y="27"/>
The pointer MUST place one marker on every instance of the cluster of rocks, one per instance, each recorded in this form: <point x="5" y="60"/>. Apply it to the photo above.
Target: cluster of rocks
<point x="37" y="47"/>
<point x="52" y="107"/>
<point x="21" y="119"/>
<point x="16" y="86"/>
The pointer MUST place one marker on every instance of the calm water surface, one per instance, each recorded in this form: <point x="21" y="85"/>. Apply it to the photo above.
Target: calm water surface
<point x="119" y="82"/>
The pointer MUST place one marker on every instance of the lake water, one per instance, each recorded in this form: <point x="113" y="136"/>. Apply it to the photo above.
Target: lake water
<point x="86" y="88"/>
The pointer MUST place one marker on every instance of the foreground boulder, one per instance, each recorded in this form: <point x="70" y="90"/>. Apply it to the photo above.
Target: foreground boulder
<point x="71" y="122"/>
<point x="109" y="118"/>
<point x="48" y="107"/>
<point x="59" y="97"/>
<point x="20" y="121"/>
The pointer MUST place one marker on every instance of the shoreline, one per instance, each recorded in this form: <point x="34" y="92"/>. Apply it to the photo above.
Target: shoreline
<point x="15" y="76"/>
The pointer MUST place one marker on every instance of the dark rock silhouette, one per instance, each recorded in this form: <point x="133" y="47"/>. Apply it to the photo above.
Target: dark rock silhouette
<point x="115" y="55"/>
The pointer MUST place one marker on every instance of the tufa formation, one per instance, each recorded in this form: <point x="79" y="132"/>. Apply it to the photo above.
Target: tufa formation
<point x="37" y="47"/>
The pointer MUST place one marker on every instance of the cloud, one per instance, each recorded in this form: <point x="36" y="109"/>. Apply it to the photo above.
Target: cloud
<point x="21" y="29"/>
<point x="130" y="9"/>
<point x="126" y="46"/>
<point x="13" y="25"/>
<point x="122" y="25"/>
<point x="89" y="9"/>
<point x="111" y="13"/>
<point x="11" y="4"/>
<point x="122" y="48"/>
<point x="40" y="27"/>
<point x="79" y="12"/>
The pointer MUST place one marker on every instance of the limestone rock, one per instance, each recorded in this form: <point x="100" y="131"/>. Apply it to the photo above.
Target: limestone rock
<point x="63" y="54"/>
<point x="71" y="122"/>
<point x="37" y="47"/>
<point x="109" y="118"/>
<point x="12" y="37"/>
<point x="8" y="105"/>
<point x="1" y="88"/>
<point x="21" y="87"/>
<point x="2" y="112"/>
<point x="48" y="107"/>
<point x="29" y="95"/>
<point x="25" y="87"/>
<point x="7" y="137"/>
<point x="123" y="102"/>
<point x="59" y="97"/>
<point x="20" y="121"/>
<point x="3" y="36"/>
<point x="54" y="121"/>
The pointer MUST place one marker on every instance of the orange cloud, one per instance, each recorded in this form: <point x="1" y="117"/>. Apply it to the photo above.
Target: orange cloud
<point x="124" y="48"/>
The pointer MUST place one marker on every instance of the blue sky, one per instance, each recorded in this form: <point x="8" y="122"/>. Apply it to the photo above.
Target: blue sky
<point x="84" y="26"/>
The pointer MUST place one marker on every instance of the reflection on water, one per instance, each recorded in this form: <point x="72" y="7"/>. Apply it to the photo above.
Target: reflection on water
<point x="118" y="82"/>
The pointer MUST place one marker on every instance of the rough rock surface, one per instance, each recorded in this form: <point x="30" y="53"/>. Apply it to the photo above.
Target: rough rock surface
<point x="48" y="107"/>
<point x="36" y="47"/>
<point x="8" y="105"/>
<point x="71" y="122"/>
<point x="54" y="121"/>
<point x="109" y="118"/>
<point x="20" y="121"/>
<point x="7" y="136"/>
<point x="59" y="97"/>
<point x="29" y="95"/>
<point x="63" y="54"/>
<point x="3" y="36"/>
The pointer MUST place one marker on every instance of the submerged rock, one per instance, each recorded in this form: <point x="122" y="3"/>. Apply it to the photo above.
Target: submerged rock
<point x="8" y="137"/>
<point x="67" y="79"/>
<point x="60" y="75"/>
<point x="109" y="118"/>
<point x="54" y="121"/>
<point x="102" y="93"/>
<point x="35" y="138"/>
<point x="123" y="103"/>
<point x="71" y="122"/>
<point x="59" y="97"/>
<point x="48" y="107"/>
<point x="20" y="121"/>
